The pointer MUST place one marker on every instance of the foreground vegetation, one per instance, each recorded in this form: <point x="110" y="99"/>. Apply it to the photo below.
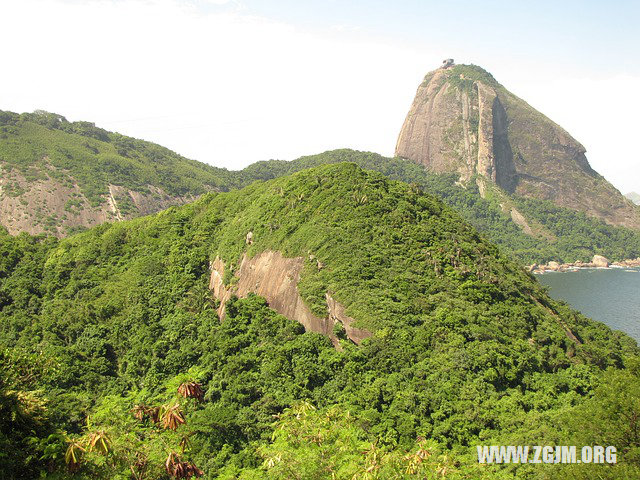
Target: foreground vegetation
<point x="115" y="365"/>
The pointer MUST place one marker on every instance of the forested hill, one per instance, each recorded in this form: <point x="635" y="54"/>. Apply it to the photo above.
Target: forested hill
<point x="115" y="363"/>
<point x="58" y="176"/>
<point x="543" y="231"/>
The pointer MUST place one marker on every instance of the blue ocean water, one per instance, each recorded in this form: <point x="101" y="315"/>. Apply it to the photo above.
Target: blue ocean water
<point x="611" y="296"/>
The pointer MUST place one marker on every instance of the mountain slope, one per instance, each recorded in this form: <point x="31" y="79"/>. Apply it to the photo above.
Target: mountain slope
<point x="58" y="176"/>
<point x="560" y="234"/>
<point x="464" y="345"/>
<point x="462" y="120"/>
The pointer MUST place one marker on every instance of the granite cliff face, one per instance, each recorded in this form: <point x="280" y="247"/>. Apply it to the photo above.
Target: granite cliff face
<point x="276" y="278"/>
<point x="462" y="120"/>
<point x="58" y="207"/>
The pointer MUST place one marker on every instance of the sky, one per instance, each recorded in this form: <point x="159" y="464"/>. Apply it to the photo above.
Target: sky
<point x="231" y="82"/>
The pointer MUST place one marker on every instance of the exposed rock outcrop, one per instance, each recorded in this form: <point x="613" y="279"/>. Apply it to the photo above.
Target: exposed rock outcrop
<point x="519" y="220"/>
<point x="337" y="314"/>
<point x="600" y="261"/>
<point x="57" y="177"/>
<point x="48" y="204"/>
<point x="554" y="266"/>
<point x="276" y="278"/>
<point x="629" y="263"/>
<point x="462" y="120"/>
<point x="217" y="286"/>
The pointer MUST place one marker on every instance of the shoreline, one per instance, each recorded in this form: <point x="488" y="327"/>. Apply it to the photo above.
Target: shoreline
<point x="598" y="262"/>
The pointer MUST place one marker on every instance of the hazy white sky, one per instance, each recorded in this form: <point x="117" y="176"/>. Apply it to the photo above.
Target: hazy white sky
<point x="233" y="82"/>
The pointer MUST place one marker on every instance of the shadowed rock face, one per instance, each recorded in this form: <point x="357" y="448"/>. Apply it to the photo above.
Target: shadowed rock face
<point x="465" y="122"/>
<point x="506" y="175"/>
<point x="276" y="278"/>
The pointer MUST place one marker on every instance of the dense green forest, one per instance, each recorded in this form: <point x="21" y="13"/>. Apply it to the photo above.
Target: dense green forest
<point x="115" y="364"/>
<point x="567" y="235"/>
<point x="44" y="145"/>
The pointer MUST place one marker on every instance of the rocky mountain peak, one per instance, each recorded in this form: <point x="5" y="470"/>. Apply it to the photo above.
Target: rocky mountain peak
<point x="462" y="120"/>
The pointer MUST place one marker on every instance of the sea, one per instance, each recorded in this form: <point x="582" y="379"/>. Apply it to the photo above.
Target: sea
<point x="610" y="295"/>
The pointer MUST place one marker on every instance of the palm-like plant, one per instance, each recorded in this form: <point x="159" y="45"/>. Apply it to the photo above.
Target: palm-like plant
<point x="100" y="442"/>
<point x="191" y="390"/>
<point x="185" y="443"/>
<point x="139" y="467"/>
<point x="154" y="414"/>
<point x="179" y="469"/>
<point x="142" y="411"/>
<point x="73" y="455"/>
<point x="416" y="459"/>
<point x="172" y="417"/>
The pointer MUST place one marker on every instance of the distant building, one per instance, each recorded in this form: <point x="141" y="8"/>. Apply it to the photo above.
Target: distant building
<point x="446" y="63"/>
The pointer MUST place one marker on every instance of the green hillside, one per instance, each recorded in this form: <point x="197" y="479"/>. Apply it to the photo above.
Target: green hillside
<point x="59" y="177"/>
<point x="115" y="364"/>
<point x="95" y="157"/>
<point x="76" y="162"/>
<point x="565" y="236"/>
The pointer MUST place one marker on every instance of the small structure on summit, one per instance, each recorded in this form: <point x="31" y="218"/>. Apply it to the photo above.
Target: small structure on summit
<point x="447" y="62"/>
